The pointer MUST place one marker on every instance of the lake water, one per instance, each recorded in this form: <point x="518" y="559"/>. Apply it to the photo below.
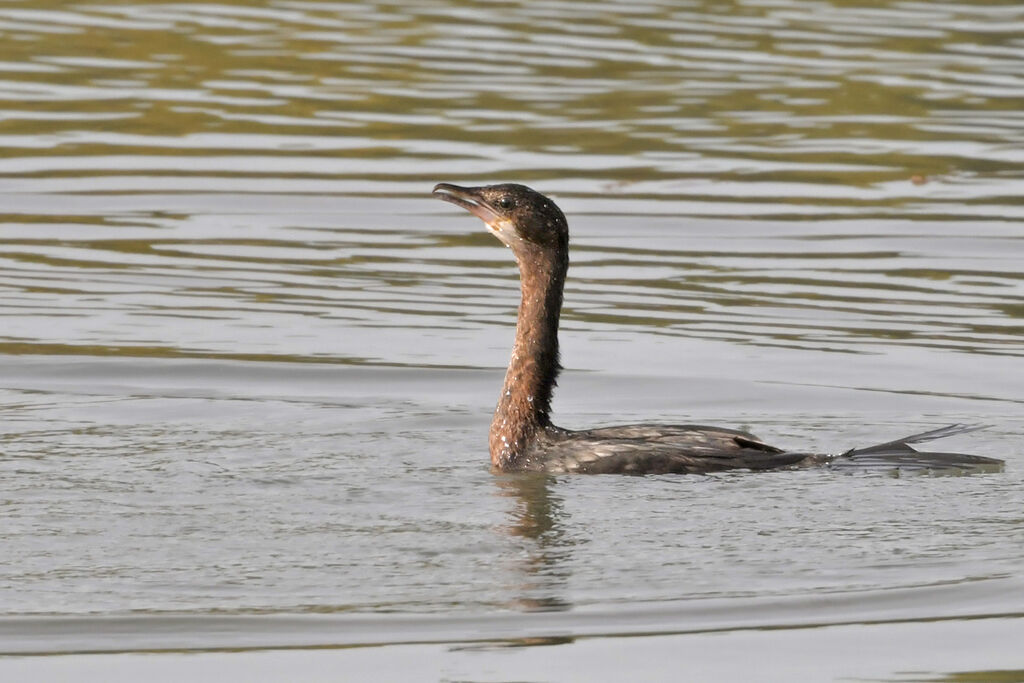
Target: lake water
<point x="247" y="363"/>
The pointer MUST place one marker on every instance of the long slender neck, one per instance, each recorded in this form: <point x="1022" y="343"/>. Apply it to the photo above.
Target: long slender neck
<point x="525" y="400"/>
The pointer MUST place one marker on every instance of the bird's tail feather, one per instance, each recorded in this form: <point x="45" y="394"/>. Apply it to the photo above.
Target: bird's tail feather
<point x="900" y="454"/>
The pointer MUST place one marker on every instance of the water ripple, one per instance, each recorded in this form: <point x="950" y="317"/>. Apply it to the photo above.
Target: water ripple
<point x="248" y="362"/>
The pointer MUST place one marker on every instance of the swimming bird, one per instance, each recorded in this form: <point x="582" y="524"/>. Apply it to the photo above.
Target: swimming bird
<point x="522" y="435"/>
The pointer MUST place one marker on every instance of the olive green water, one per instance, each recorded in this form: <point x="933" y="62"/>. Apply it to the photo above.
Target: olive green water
<point x="247" y="364"/>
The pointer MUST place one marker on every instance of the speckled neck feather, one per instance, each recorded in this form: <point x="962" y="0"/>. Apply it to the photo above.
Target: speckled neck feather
<point x="525" y="400"/>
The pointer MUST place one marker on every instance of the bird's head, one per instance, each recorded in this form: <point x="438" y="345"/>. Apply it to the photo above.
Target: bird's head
<point x="522" y="218"/>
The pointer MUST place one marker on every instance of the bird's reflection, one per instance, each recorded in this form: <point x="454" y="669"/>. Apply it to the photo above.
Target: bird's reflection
<point x="537" y="518"/>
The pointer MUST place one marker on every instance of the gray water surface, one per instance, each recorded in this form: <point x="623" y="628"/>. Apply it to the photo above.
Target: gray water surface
<point x="247" y="364"/>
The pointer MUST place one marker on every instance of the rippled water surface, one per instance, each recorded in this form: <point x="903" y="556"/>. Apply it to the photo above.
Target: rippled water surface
<point x="247" y="364"/>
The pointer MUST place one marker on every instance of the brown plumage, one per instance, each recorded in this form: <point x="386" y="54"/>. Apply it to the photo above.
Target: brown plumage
<point x="522" y="436"/>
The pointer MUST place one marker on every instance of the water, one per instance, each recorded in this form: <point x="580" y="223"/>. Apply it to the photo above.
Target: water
<point x="247" y="363"/>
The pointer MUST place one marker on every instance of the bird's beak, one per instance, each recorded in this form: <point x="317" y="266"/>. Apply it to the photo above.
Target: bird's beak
<point x="469" y="198"/>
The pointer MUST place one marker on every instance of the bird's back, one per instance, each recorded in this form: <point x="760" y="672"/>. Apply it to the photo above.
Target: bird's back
<point x="654" y="449"/>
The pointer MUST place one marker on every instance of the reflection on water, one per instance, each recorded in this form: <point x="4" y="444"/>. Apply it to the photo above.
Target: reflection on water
<point x="537" y="518"/>
<point x="247" y="363"/>
<point x="969" y="677"/>
<point x="177" y="192"/>
<point x="788" y="107"/>
<point x="283" y="284"/>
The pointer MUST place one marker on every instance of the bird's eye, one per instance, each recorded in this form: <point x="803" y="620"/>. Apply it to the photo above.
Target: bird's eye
<point x="505" y="203"/>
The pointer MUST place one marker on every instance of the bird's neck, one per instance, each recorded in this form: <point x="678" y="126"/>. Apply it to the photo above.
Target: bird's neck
<point x="525" y="400"/>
